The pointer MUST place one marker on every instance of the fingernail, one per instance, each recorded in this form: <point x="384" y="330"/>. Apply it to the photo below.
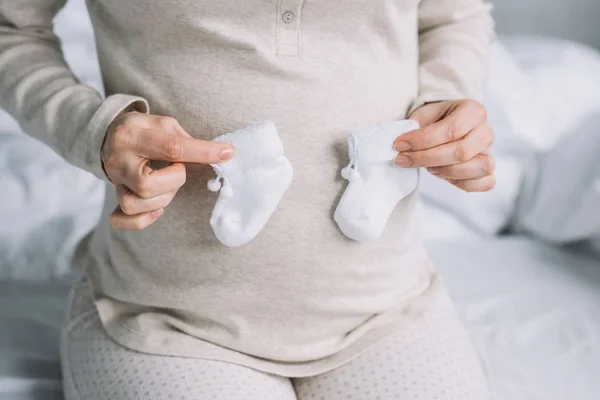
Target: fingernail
<point x="402" y="146"/>
<point x="403" y="161"/>
<point x="157" y="213"/>
<point x="227" y="154"/>
<point x="434" y="170"/>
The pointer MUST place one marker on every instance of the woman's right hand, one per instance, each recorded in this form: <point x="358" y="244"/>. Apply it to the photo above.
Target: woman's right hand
<point x="132" y="140"/>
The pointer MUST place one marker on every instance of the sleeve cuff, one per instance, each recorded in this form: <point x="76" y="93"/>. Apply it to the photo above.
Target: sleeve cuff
<point x="95" y="132"/>
<point x="425" y="98"/>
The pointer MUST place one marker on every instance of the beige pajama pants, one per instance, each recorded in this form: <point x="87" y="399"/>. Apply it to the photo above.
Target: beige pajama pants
<point x="431" y="360"/>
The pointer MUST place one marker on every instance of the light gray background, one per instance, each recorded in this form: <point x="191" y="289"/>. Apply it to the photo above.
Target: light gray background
<point x="571" y="19"/>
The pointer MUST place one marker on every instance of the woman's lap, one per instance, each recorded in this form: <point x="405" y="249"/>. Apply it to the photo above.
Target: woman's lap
<point x="432" y="359"/>
<point x="95" y="367"/>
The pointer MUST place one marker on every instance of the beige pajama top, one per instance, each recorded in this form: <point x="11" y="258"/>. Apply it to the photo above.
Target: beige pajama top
<point x="300" y="298"/>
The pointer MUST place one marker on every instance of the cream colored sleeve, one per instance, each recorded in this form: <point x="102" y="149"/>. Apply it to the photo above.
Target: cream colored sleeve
<point x="454" y="39"/>
<point x="39" y="90"/>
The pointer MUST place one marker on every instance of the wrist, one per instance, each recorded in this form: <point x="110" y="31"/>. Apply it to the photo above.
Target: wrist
<point x="113" y="108"/>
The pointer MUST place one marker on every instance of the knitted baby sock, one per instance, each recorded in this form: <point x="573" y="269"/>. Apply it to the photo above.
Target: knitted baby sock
<point x="376" y="184"/>
<point x="253" y="182"/>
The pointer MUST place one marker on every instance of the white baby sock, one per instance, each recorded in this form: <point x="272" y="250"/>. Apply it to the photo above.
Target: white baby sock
<point x="376" y="184"/>
<point x="253" y="182"/>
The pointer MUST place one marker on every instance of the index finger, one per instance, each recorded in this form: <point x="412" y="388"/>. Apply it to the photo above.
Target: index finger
<point x="463" y="119"/>
<point x="156" y="145"/>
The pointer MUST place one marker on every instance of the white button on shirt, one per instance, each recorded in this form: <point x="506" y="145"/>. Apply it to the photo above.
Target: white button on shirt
<point x="288" y="28"/>
<point x="288" y="17"/>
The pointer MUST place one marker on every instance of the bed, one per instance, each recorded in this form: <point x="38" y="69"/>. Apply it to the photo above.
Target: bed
<point x="527" y="289"/>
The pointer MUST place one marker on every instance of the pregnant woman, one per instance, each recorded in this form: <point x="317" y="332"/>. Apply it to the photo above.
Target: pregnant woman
<point x="172" y="305"/>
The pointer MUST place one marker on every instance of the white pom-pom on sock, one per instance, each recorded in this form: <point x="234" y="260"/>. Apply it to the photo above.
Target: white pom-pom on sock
<point x="214" y="185"/>
<point x="251" y="184"/>
<point x="376" y="185"/>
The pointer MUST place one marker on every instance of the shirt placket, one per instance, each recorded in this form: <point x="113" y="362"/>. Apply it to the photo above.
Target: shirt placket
<point x="288" y="37"/>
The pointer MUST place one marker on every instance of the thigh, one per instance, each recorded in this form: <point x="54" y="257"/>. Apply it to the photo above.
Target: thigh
<point x="97" y="368"/>
<point x="433" y="359"/>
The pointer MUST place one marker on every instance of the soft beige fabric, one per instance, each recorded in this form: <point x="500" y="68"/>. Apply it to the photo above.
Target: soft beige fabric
<point x="299" y="299"/>
<point x="433" y="359"/>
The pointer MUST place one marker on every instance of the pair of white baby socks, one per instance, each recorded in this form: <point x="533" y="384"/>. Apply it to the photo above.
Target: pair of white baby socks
<point x="253" y="182"/>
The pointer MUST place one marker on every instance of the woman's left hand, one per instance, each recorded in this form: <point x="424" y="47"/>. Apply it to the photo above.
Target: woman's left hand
<point x="452" y="143"/>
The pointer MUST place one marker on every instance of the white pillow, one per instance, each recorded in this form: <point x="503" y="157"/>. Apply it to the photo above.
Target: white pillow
<point x="563" y="77"/>
<point x="560" y="201"/>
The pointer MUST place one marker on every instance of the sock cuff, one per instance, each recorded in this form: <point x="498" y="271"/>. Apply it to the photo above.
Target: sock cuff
<point x="376" y="142"/>
<point x="255" y="142"/>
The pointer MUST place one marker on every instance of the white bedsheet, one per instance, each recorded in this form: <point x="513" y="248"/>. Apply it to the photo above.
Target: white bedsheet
<point x="532" y="312"/>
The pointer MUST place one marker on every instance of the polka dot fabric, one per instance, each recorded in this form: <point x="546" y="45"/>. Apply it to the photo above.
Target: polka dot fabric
<point x="97" y="368"/>
<point x="431" y="360"/>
